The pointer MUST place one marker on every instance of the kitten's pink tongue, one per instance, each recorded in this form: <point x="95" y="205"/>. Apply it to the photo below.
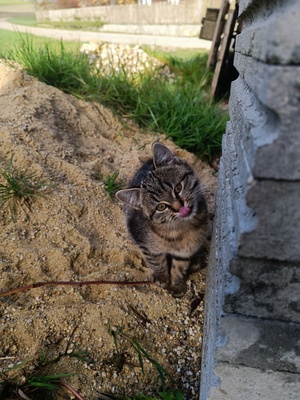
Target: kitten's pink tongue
<point x="184" y="211"/>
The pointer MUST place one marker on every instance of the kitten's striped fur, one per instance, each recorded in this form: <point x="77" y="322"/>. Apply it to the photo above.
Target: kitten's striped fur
<point x="166" y="216"/>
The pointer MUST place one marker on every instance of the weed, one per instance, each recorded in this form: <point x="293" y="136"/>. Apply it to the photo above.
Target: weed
<point x="46" y="382"/>
<point x="162" y="373"/>
<point x="18" y="187"/>
<point x="110" y="183"/>
<point x="37" y="384"/>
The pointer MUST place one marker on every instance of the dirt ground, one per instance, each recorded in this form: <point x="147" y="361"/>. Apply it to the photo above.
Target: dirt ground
<point x="76" y="232"/>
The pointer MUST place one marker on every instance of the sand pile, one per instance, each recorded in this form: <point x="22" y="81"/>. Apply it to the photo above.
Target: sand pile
<point x="76" y="232"/>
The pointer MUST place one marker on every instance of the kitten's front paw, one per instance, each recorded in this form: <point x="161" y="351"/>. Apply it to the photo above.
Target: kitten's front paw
<point x="178" y="291"/>
<point x="161" y="280"/>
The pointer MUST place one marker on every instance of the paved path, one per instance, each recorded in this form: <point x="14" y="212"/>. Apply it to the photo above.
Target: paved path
<point x="123" y="38"/>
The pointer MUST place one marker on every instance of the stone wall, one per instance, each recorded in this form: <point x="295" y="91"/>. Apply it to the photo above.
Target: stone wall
<point x="251" y="344"/>
<point x="160" y="18"/>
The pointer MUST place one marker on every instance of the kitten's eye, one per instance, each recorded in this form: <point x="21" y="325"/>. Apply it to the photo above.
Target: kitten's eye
<point x="161" y="207"/>
<point x="178" y="188"/>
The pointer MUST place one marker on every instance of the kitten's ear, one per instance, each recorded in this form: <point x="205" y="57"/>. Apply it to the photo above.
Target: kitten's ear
<point x="162" y="155"/>
<point x="130" y="197"/>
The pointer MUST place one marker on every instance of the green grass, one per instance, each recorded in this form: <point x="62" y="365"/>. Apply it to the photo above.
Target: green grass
<point x="77" y="24"/>
<point x="14" y="2"/>
<point x="192" y="69"/>
<point x="66" y="70"/>
<point x="142" y="354"/>
<point x="46" y="382"/>
<point x="181" y="109"/>
<point x="110" y="183"/>
<point x="165" y="54"/>
<point x="10" y="38"/>
<point x="18" y="186"/>
<point x="37" y="381"/>
<point x="28" y="20"/>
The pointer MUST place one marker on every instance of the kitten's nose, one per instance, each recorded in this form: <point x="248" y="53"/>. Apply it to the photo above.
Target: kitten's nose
<point x="176" y="205"/>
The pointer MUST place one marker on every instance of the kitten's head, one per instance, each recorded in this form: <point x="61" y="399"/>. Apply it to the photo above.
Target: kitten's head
<point x="169" y="192"/>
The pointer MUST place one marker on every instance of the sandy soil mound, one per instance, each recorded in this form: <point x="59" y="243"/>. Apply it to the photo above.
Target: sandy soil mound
<point x="76" y="233"/>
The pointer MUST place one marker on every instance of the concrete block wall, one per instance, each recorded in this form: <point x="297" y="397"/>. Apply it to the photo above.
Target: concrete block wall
<point x="159" y="18"/>
<point x="251" y="347"/>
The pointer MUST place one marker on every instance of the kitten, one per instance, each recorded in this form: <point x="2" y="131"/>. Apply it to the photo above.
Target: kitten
<point x="167" y="218"/>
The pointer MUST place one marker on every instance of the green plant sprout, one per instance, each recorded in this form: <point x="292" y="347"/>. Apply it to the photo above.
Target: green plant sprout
<point x="162" y="373"/>
<point x="47" y="382"/>
<point x="38" y="384"/>
<point x="18" y="187"/>
<point x="110" y="183"/>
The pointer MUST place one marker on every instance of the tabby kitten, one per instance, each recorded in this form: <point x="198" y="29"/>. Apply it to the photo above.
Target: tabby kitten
<point x="166" y="216"/>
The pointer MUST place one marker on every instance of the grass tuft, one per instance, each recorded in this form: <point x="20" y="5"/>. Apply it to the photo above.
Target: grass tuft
<point x="18" y="187"/>
<point x="110" y="183"/>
